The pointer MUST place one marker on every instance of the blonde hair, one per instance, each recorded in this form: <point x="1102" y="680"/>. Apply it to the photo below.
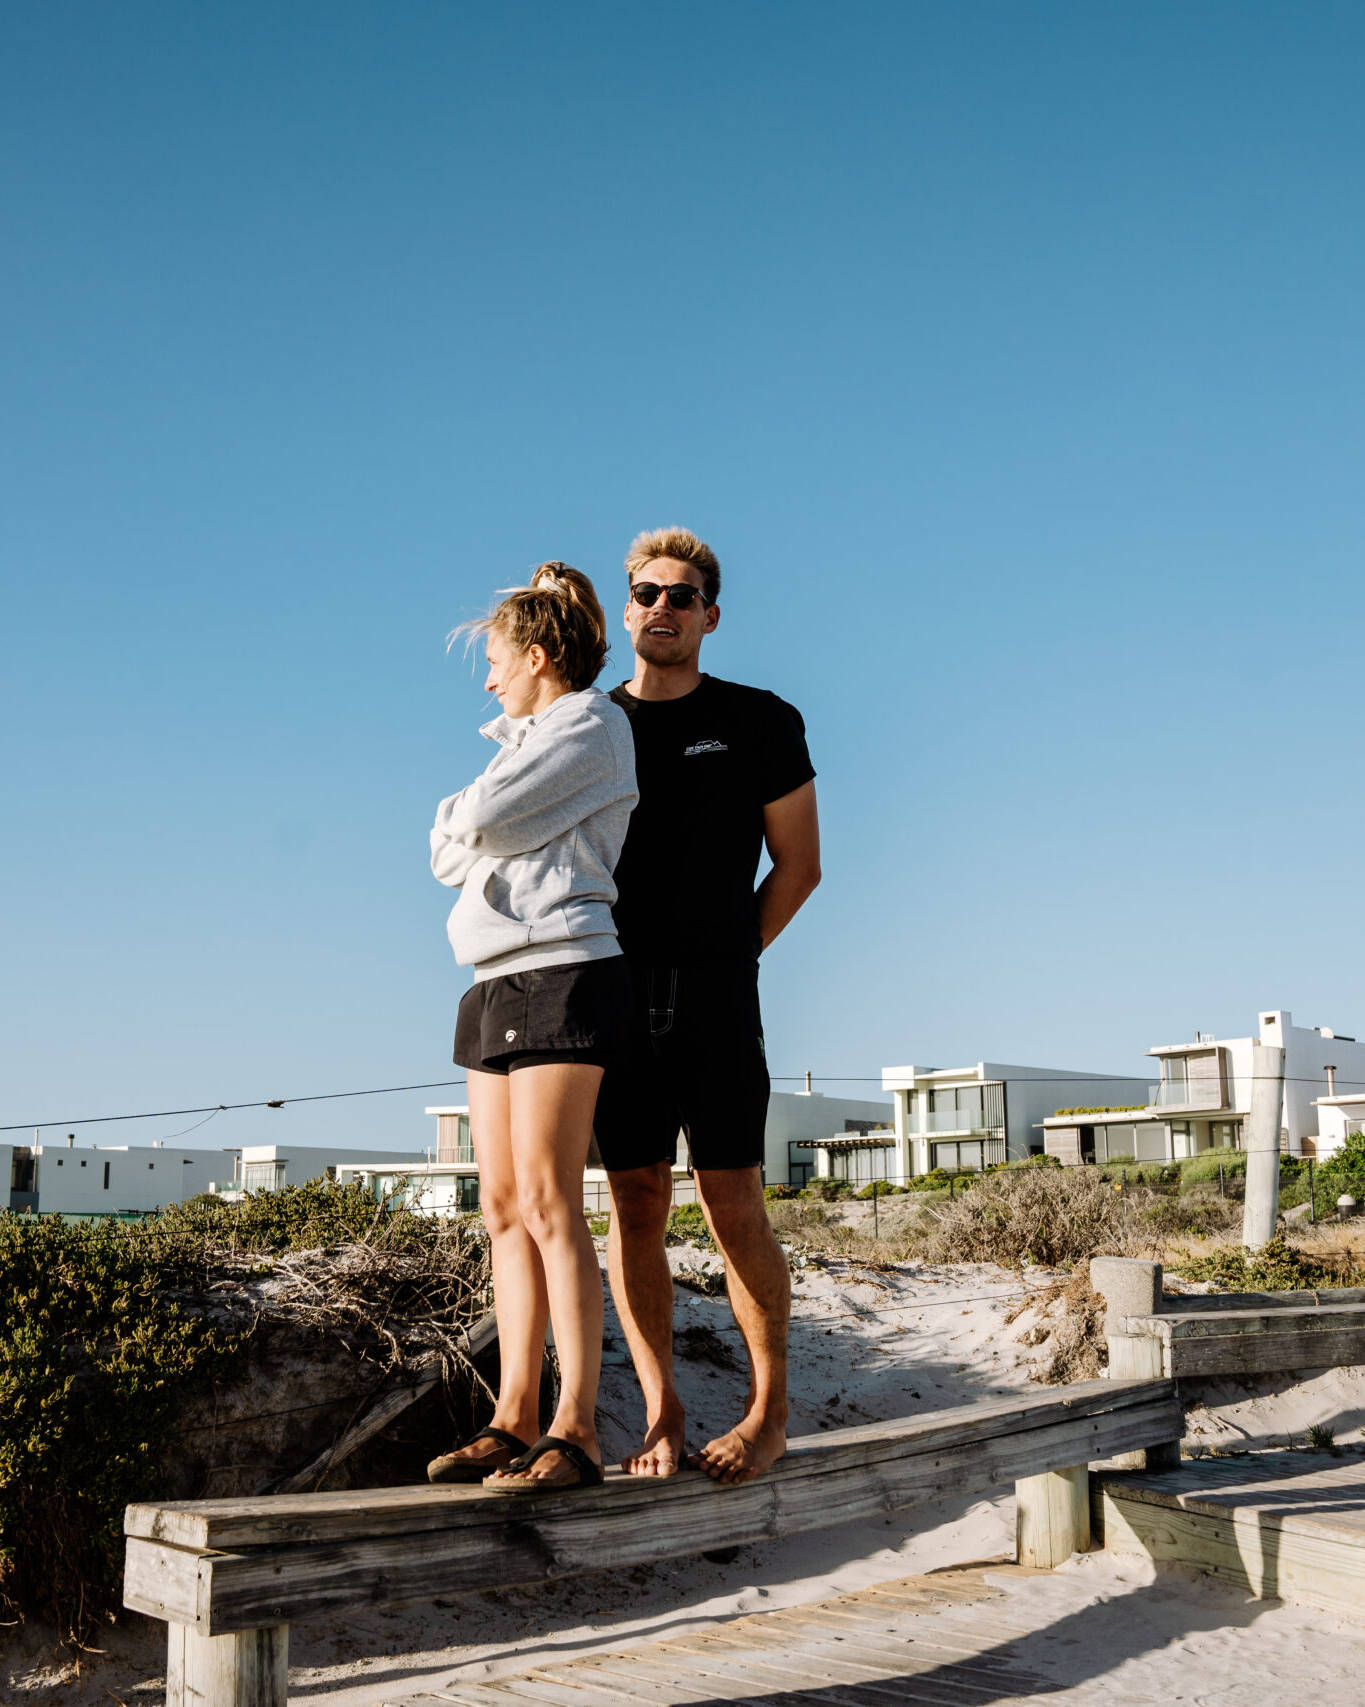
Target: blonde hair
<point x="684" y="547"/>
<point x="560" y="612"/>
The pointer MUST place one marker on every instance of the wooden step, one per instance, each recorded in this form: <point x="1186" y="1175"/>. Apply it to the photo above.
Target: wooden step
<point x="1199" y="1343"/>
<point x="1285" y="1525"/>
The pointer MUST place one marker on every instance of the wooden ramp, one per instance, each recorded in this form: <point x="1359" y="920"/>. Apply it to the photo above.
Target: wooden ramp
<point x="932" y="1641"/>
<point x="1286" y="1525"/>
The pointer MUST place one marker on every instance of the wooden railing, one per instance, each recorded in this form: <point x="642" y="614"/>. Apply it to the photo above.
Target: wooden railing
<point x="228" y="1576"/>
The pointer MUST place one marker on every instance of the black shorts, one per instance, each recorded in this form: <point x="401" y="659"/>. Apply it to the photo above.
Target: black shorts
<point x="694" y="1059"/>
<point x="576" y="1013"/>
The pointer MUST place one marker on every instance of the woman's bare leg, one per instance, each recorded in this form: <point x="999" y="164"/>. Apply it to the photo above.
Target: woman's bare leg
<point x="551" y="1110"/>
<point x="518" y="1278"/>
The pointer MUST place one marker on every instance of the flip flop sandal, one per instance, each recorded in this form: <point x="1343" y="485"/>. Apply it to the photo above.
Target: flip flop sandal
<point x="450" y="1467"/>
<point x="589" y="1473"/>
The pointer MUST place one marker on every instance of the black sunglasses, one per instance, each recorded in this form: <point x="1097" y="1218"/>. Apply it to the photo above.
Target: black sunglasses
<point x="680" y="595"/>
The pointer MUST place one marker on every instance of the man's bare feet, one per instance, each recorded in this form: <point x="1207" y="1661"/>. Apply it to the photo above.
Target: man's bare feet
<point x="751" y="1447"/>
<point x="662" y="1452"/>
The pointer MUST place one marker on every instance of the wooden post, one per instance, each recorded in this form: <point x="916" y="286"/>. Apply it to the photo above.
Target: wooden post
<point x="1262" y="1145"/>
<point x="1132" y="1287"/>
<point x="1052" y="1517"/>
<point x="248" y="1669"/>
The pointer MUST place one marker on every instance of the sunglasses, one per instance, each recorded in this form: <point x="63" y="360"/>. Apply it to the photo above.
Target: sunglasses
<point x="679" y="594"/>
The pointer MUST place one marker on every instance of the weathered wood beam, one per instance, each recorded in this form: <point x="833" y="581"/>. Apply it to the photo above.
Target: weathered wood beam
<point x="499" y="1540"/>
<point x="1052" y="1517"/>
<point x="359" y="1513"/>
<point x="1243" y="1342"/>
<point x="247" y="1669"/>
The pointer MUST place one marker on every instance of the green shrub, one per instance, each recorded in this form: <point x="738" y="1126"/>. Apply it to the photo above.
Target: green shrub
<point x="879" y="1188"/>
<point x="1200" y="1169"/>
<point x="778" y="1193"/>
<point x="1100" y="1108"/>
<point x="1276" y="1267"/>
<point x="95" y="1358"/>
<point x="102" y="1340"/>
<point x="1054" y="1216"/>
<point x="687" y="1225"/>
<point x="827" y="1190"/>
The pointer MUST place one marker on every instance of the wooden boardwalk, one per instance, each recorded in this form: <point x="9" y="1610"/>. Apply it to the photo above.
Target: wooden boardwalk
<point x="1286" y="1525"/>
<point x="942" y="1640"/>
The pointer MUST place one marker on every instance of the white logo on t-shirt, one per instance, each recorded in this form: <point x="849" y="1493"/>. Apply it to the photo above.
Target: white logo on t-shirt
<point x="511" y="1035"/>
<point x="705" y="747"/>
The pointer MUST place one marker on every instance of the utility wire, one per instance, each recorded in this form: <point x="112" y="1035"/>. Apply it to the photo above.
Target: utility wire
<point x="211" y="1109"/>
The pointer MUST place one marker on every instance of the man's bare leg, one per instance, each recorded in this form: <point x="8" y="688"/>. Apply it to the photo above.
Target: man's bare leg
<point x="642" y="1287"/>
<point x="759" y="1283"/>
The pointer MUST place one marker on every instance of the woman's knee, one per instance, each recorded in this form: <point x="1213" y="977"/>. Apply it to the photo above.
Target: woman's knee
<point x="545" y="1211"/>
<point x="501" y="1211"/>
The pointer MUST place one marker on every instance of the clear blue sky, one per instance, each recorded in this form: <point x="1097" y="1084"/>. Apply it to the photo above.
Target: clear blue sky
<point x="1009" y="355"/>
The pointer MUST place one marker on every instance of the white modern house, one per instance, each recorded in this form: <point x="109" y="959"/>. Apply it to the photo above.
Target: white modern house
<point x="974" y="1117"/>
<point x="801" y="1127"/>
<point x="268" y="1167"/>
<point x="1203" y="1097"/>
<point x="1339" y="1118"/>
<point x="108" y="1179"/>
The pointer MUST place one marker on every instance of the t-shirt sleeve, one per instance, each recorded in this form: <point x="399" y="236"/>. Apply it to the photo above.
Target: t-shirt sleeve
<point x="784" y="758"/>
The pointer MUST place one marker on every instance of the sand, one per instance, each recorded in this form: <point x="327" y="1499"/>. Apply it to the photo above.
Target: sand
<point x="866" y="1345"/>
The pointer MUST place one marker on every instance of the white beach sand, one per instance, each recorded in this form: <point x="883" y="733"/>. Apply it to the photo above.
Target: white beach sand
<point x="865" y="1345"/>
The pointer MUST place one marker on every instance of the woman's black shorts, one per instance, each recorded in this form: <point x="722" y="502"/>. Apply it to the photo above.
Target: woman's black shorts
<point x="575" y="1013"/>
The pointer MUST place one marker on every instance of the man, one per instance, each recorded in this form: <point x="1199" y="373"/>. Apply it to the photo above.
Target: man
<point x="723" y="772"/>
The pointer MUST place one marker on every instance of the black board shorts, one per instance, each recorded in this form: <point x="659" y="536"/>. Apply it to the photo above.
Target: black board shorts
<point x="694" y="1059"/>
<point x="575" y="1013"/>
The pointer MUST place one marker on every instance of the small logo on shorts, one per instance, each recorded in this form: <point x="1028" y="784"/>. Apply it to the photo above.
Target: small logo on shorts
<point x="704" y="747"/>
<point x="510" y="1035"/>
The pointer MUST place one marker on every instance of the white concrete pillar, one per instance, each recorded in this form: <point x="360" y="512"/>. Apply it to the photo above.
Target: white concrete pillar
<point x="1261" y="1141"/>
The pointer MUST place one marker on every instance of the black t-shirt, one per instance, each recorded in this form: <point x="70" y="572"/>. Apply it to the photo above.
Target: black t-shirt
<point x="707" y="764"/>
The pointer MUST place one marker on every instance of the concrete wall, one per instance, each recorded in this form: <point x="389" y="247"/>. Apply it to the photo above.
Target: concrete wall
<point x="304" y="1162"/>
<point x="72" y="1181"/>
<point x="1307" y="1055"/>
<point x="1034" y="1093"/>
<point x="796" y="1114"/>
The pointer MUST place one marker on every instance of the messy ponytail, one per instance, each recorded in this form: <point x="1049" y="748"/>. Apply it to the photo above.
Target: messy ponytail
<point x="559" y="612"/>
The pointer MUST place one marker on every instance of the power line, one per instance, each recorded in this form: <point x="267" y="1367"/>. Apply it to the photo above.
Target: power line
<point x="211" y="1109"/>
<point x="229" y="1107"/>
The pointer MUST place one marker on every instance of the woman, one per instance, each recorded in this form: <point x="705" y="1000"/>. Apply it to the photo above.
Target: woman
<point x="531" y="846"/>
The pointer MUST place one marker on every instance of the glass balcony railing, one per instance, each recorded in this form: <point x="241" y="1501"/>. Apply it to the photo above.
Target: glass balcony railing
<point x="1173" y="1094"/>
<point x="951" y="1120"/>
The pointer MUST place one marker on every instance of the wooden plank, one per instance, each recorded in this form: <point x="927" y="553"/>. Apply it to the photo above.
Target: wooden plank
<point x="1267" y="1354"/>
<point x="1324" y="1318"/>
<point x="1271" y="1561"/>
<point x="250" y="1669"/>
<point x="1202" y="1303"/>
<point x="163" y="1582"/>
<point x="1327" y="1501"/>
<point x="350" y="1513"/>
<point x="977" y="1666"/>
<point x="802" y="1676"/>
<point x="857" y="1679"/>
<point x="1052" y="1516"/>
<point x="506" y="1541"/>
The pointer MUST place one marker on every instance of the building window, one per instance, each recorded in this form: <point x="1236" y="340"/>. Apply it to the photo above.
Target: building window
<point x="106" y="1176"/>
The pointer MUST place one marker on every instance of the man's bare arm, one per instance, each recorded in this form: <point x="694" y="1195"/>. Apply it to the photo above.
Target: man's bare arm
<point x="791" y="830"/>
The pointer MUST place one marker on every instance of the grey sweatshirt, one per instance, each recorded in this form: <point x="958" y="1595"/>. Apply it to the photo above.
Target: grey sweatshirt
<point x="532" y="845"/>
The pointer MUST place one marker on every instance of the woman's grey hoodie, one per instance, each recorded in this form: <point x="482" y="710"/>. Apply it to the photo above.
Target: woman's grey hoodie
<point x="532" y="845"/>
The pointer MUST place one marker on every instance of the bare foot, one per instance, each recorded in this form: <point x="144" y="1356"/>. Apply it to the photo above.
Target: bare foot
<point x="662" y="1452"/>
<point x="751" y="1447"/>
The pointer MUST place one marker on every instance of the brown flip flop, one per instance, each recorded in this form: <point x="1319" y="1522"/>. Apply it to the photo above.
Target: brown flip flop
<point x="589" y="1473"/>
<point x="451" y="1467"/>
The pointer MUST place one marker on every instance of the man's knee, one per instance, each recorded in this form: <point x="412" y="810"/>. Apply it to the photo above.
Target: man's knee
<point x="641" y="1199"/>
<point x="733" y="1201"/>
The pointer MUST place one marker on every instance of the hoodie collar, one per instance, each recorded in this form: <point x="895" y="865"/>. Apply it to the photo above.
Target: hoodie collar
<point x="512" y="731"/>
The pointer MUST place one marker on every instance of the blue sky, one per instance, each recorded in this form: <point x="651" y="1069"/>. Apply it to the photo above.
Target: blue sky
<point x="1009" y="355"/>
